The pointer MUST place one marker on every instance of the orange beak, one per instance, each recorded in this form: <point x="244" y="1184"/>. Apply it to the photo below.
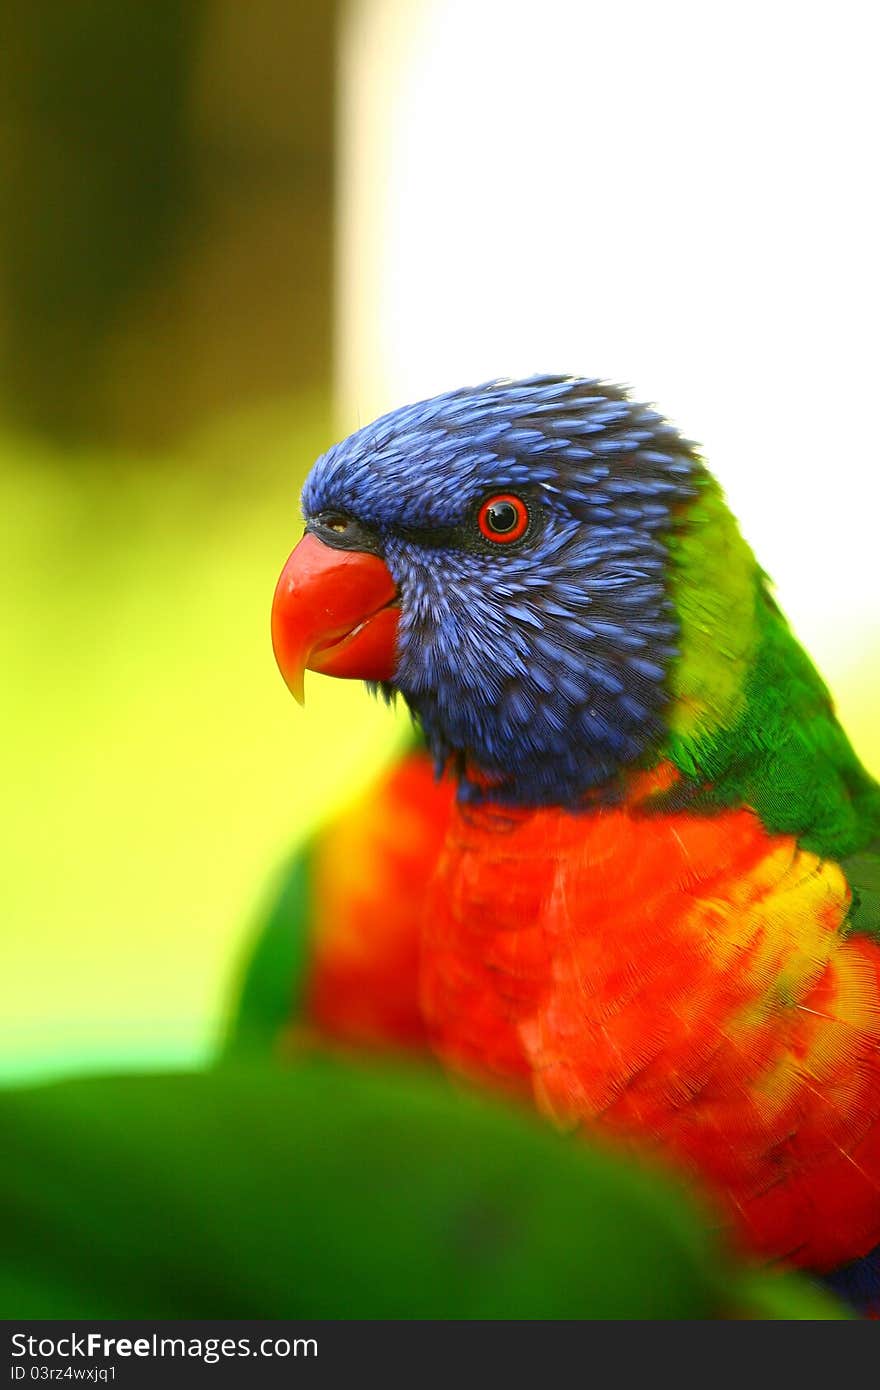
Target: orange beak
<point x="334" y="611"/>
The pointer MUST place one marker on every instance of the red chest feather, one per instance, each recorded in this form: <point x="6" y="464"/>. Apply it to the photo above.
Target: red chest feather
<point x="675" y="979"/>
<point x="370" y="868"/>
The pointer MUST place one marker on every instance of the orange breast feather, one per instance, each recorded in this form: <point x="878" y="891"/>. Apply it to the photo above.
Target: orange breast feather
<point x="371" y="867"/>
<point x="675" y="979"/>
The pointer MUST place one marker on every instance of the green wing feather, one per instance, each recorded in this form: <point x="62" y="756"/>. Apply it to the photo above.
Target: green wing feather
<point x="863" y="875"/>
<point x="273" y="980"/>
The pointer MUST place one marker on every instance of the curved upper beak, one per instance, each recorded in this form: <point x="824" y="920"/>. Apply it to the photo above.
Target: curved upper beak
<point x="334" y="611"/>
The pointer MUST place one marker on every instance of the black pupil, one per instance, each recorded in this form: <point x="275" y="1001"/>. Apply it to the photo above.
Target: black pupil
<point x="502" y="517"/>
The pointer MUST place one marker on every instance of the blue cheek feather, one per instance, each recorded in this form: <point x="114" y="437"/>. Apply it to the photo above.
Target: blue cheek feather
<point x="541" y="667"/>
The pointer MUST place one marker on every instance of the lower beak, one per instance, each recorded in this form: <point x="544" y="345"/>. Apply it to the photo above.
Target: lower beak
<point x="334" y="611"/>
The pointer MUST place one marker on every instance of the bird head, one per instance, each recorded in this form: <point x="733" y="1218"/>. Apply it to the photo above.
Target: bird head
<point x="500" y="558"/>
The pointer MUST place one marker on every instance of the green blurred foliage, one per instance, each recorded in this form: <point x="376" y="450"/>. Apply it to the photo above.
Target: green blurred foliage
<point x="327" y="1191"/>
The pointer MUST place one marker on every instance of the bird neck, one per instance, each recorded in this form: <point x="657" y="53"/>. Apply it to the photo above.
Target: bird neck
<point x="750" y="720"/>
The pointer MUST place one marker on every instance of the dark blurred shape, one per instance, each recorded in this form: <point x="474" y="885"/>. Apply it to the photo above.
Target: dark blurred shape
<point x="100" y="178"/>
<point x="333" y="1191"/>
<point x="166" y="244"/>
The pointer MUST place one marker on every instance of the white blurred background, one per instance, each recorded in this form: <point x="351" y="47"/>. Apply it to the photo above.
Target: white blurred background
<point x="678" y="196"/>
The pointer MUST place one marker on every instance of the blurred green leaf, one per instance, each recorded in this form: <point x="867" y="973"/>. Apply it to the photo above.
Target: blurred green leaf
<point x="333" y="1191"/>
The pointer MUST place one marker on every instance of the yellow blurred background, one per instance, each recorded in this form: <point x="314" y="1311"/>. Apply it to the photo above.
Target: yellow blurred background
<point x="492" y="188"/>
<point x="165" y="331"/>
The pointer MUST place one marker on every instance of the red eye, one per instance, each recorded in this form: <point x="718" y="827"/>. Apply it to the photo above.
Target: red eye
<point x="503" y="519"/>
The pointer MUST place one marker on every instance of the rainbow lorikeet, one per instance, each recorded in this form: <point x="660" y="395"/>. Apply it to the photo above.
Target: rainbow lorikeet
<point x="645" y="895"/>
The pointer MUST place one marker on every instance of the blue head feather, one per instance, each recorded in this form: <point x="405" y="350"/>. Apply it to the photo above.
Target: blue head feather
<point x="540" y="665"/>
